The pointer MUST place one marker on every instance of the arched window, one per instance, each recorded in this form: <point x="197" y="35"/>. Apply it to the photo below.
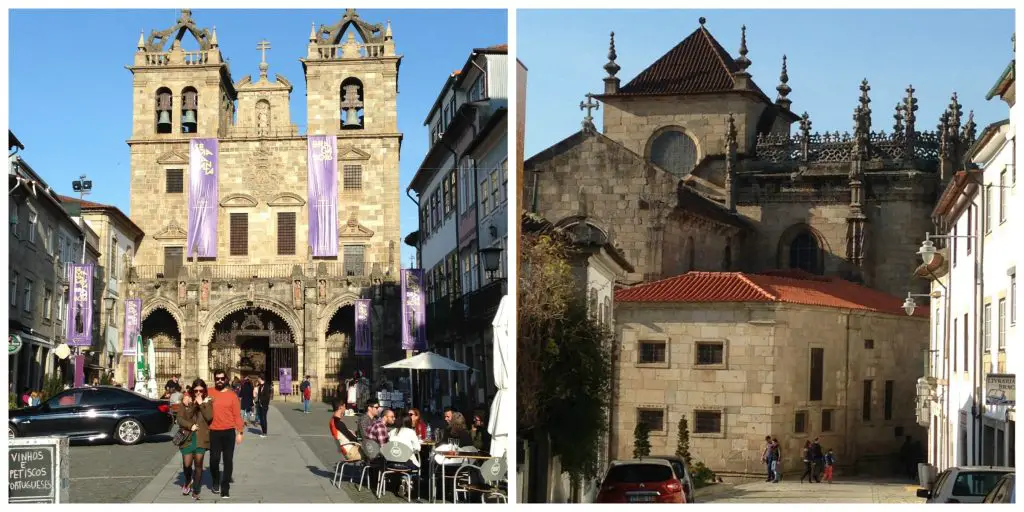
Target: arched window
<point x="805" y="254"/>
<point x="164" y="101"/>
<point x="262" y="117"/>
<point x="673" y="151"/>
<point x="727" y="257"/>
<point x="351" y="104"/>
<point x="189" y="110"/>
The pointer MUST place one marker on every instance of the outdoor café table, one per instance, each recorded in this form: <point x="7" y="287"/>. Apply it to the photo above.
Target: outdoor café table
<point x="451" y="454"/>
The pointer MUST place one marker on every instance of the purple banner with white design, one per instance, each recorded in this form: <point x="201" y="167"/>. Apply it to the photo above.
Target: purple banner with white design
<point x="79" y="370"/>
<point x="132" y="322"/>
<point x="322" y="161"/>
<point x="79" y="333"/>
<point x="364" y="336"/>
<point x="284" y="381"/>
<point x="203" y="172"/>
<point x="414" y="325"/>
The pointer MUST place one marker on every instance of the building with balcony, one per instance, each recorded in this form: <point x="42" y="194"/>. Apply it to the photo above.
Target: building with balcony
<point x="967" y="397"/>
<point x="259" y="298"/>
<point x="43" y="239"/>
<point x="462" y="190"/>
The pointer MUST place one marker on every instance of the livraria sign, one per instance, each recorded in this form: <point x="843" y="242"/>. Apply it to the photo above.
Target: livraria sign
<point x="1000" y="389"/>
<point x="38" y="470"/>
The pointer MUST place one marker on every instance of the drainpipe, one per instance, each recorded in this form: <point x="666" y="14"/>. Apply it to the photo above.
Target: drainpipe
<point x="978" y="322"/>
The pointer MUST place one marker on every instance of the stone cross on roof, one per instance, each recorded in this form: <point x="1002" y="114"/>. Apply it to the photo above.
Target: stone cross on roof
<point x="263" y="46"/>
<point x="588" y="121"/>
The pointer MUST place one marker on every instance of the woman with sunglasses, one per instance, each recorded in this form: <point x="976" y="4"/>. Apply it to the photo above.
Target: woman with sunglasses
<point x="196" y="415"/>
<point x="418" y="424"/>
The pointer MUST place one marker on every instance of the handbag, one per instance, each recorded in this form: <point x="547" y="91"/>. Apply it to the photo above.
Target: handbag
<point x="182" y="436"/>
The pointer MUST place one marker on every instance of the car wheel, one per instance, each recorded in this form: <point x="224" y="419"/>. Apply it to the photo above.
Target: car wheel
<point x="129" y="431"/>
<point x="11" y="432"/>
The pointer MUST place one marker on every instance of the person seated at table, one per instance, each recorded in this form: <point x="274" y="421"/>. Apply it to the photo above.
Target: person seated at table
<point x="406" y="435"/>
<point x="418" y="424"/>
<point x="372" y="411"/>
<point x="458" y="432"/>
<point x="478" y="432"/>
<point x="341" y="433"/>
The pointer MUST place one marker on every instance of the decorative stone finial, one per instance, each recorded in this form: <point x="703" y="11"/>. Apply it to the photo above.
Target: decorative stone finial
<point x="263" y="46"/>
<point x="611" y="67"/>
<point x="898" y="127"/>
<point x="142" y="40"/>
<point x="588" y="121"/>
<point x="730" y="133"/>
<point x="743" y="62"/>
<point x="213" y="37"/>
<point x="955" y="113"/>
<point x="783" y="88"/>
<point x="862" y="114"/>
<point x="970" y="131"/>
<point x="702" y="20"/>
<point x="312" y="32"/>
<point x="909" y="109"/>
<point x="387" y="32"/>
<point x="805" y="125"/>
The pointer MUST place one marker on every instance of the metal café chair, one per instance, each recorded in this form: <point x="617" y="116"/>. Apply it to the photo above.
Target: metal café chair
<point x="493" y="471"/>
<point x="368" y="451"/>
<point x="339" y="467"/>
<point x="398" y="457"/>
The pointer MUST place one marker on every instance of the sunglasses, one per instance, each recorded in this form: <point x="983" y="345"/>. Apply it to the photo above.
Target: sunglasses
<point x="197" y="391"/>
<point x="220" y="379"/>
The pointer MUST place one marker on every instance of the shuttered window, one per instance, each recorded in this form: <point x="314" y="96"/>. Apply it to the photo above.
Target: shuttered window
<point x="286" y="233"/>
<point x="353" y="177"/>
<point x="239" y="234"/>
<point x="817" y="373"/>
<point x="354" y="260"/>
<point x="173" y="259"/>
<point x="175" y="181"/>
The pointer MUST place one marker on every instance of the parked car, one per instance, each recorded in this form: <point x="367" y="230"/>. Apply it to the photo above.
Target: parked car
<point x="647" y="480"/>
<point x="1004" y="492"/>
<point x="91" y="413"/>
<point x="681" y="471"/>
<point x="966" y="484"/>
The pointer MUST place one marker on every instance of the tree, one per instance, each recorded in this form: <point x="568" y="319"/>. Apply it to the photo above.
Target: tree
<point x="683" y="442"/>
<point x="641" y="440"/>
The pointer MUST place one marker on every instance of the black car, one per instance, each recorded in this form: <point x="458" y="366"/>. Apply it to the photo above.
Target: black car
<point x="91" y="413"/>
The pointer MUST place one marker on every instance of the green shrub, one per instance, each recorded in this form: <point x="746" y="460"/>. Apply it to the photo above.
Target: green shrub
<point x="702" y="475"/>
<point x="641" y="441"/>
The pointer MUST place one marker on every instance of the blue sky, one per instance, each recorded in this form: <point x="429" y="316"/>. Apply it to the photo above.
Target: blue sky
<point x="74" y="114"/>
<point x="829" y="52"/>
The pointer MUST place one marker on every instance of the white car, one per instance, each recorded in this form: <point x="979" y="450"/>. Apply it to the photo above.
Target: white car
<point x="966" y="484"/>
<point x="1005" y="491"/>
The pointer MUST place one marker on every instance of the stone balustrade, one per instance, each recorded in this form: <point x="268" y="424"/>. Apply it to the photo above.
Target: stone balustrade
<point x="329" y="269"/>
<point x="337" y="51"/>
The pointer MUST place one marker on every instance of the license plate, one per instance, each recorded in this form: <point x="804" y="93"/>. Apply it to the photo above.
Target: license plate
<point x="641" y="499"/>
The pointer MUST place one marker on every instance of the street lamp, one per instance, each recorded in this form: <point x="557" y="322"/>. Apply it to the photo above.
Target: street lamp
<point x="492" y="260"/>
<point x="910" y="305"/>
<point x="927" y="251"/>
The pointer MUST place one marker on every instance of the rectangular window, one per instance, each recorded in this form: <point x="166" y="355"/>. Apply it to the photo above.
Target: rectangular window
<point x="27" y="297"/>
<point x="475" y="264"/>
<point x="1002" y="196"/>
<point x="285" y="233"/>
<point x="33" y="218"/>
<point x="174" y="257"/>
<point x="817" y="373"/>
<point x="434" y="135"/>
<point x="354" y="265"/>
<point x="800" y="422"/>
<point x="869" y="344"/>
<point x="707" y="422"/>
<point x="50" y="245"/>
<point x="989" y="197"/>
<point x="987" y="328"/>
<point x="888" y="399"/>
<point x="967" y="341"/>
<point x="14" y="290"/>
<point x="826" y="420"/>
<point x="1013" y="298"/>
<point x="485" y="199"/>
<point x="653" y="418"/>
<point x="652" y="352"/>
<point x="352" y="177"/>
<point x="956" y="343"/>
<point x="866" y="405"/>
<point x="476" y="91"/>
<point x="47" y="303"/>
<point x="453" y="191"/>
<point x="504" y="179"/>
<point x="175" y="181"/>
<point x="970" y="227"/>
<point x="62" y="306"/>
<point x="710" y="353"/>
<point x="447" y="194"/>
<point x="1002" y="324"/>
<point x="495" y="189"/>
<point x="239" y="234"/>
<point x="451" y="108"/>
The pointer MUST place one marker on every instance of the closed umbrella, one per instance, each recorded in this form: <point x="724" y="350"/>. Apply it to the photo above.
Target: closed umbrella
<point x="151" y="369"/>
<point x="502" y="409"/>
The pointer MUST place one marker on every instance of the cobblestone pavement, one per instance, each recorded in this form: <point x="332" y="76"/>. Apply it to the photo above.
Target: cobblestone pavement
<point x="850" y="490"/>
<point x="112" y="473"/>
<point x="313" y="429"/>
<point x="280" y="468"/>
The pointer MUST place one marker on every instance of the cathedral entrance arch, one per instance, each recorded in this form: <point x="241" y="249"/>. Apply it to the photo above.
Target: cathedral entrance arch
<point x="253" y="342"/>
<point x="341" y="361"/>
<point x="162" y="327"/>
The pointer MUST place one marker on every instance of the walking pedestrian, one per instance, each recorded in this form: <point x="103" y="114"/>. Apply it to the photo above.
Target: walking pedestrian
<point x="818" y="458"/>
<point x="777" y="461"/>
<point x="307" y="392"/>
<point x="766" y="457"/>
<point x="264" y="392"/>
<point x="805" y="454"/>
<point x="830" y="461"/>
<point x="195" y="415"/>
<point x="226" y="431"/>
<point x="245" y="398"/>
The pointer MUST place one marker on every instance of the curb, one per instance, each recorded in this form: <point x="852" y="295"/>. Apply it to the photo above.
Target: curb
<point x="152" y="490"/>
<point x="311" y="459"/>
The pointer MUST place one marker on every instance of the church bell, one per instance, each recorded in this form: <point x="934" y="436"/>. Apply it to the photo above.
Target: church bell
<point x="189" y="122"/>
<point x="164" y="121"/>
<point x="352" y="120"/>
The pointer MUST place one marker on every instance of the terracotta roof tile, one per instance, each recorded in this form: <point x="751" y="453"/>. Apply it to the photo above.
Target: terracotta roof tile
<point x="792" y="287"/>
<point x="83" y="202"/>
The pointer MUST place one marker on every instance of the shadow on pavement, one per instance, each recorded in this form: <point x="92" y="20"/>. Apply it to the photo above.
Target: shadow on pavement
<point x="321" y="472"/>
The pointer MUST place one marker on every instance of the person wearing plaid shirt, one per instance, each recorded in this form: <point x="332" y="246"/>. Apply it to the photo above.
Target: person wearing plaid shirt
<point x="378" y="430"/>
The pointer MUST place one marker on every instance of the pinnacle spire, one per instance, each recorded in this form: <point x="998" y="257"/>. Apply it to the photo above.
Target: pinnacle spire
<point x="783" y="88"/>
<point x="387" y="32"/>
<point x="743" y="62"/>
<point x="312" y="32"/>
<point x="142" y="40"/>
<point x="611" y="67"/>
<point x="213" y="37"/>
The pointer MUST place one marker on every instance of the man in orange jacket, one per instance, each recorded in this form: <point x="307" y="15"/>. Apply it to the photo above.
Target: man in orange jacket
<point x="225" y="432"/>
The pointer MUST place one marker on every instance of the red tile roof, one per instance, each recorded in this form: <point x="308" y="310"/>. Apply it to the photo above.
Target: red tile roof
<point x="792" y="287"/>
<point x="83" y="202"/>
<point x="699" y="64"/>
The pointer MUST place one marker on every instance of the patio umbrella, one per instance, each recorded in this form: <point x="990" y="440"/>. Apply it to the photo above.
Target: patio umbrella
<point x="502" y="408"/>
<point x="427" y="361"/>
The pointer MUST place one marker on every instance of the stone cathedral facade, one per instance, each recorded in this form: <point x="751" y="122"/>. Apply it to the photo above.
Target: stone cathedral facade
<point x="264" y="303"/>
<point x="698" y="169"/>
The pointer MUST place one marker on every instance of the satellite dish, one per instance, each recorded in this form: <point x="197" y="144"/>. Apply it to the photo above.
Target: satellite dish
<point x="62" y="351"/>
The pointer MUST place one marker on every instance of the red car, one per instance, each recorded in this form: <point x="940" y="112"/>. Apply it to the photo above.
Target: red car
<point x="641" y="481"/>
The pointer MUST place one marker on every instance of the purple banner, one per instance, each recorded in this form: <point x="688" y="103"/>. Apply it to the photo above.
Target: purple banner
<point x="364" y="336"/>
<point x="284" y="382"/>
<point x="414" y="325"/>
<point x="132" y="322"/>
<point x="323" y="194"/>
<point x="79" y="332"/>
<point x="79" y="370"/>
<point x="202" y="198"/>
<point x="131" y="375"/>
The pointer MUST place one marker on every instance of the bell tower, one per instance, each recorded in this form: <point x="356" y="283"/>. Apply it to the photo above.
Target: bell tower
<point x="179" y="94"/>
